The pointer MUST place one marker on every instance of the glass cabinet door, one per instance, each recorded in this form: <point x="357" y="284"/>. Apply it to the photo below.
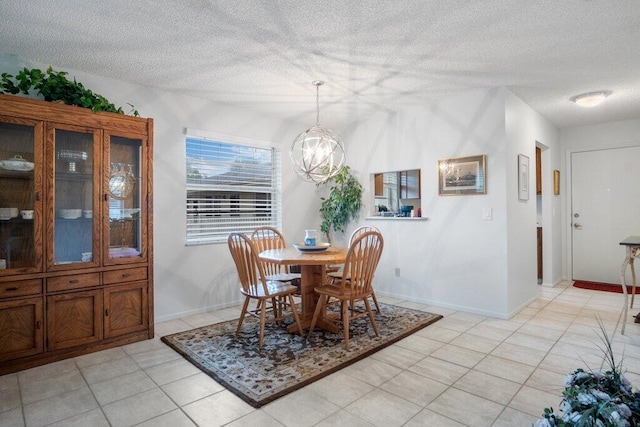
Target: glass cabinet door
<point x="73" y="157"/>
<point x="125" y="183"/>
<point x="20" y="195"/>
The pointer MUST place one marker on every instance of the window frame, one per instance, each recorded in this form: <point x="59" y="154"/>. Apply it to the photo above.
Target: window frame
<point x="230" y="195"/>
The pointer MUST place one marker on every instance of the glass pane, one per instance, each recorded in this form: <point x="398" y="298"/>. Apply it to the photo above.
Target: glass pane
<point x="125" y="226"/>
<point x="73" y="202"/>
<point x="230" y="187"/>
<point x="17" y="189"/>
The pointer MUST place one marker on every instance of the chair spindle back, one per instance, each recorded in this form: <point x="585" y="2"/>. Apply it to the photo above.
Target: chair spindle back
<point x="266" y="238"/>
<point x="361" y="262"/>
<point x="250" y="268"/>
<point x="360" y="231"/>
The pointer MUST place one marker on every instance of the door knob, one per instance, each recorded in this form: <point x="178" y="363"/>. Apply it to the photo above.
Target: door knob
<point x="578" y="226"/>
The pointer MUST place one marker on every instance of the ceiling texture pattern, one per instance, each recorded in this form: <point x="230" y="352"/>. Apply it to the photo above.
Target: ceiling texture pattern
<point x="373" y="55"/>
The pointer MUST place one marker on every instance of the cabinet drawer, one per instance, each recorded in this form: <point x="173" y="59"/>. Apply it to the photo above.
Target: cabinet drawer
<point x="77" y="281"/>
<point x="126" y="275"/>
<point x="21" y="288"/>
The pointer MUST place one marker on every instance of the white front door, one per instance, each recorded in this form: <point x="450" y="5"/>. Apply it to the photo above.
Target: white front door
<point x="605" y="209"/>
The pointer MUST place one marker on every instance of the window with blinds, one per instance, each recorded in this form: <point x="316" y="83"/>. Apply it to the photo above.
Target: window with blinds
<point x="230" y="188"/>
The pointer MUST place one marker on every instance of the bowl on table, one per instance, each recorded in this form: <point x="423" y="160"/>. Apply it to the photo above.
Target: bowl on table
<point x="316" y="248"/>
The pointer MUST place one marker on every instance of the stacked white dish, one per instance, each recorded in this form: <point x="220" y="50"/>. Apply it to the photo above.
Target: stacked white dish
<point x="122" y="213"/>
<point x="70" y="213"/>
<point x="128" y="213"/>
<point x="8" y="213"/>
<point x="16" y="163"/>
<point x="72" y="155"/>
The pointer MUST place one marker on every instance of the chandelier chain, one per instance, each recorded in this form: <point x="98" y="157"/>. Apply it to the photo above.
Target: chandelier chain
<point x="317" y="105"/>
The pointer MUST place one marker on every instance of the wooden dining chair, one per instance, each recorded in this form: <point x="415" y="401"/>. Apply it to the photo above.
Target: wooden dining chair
<point x="270" y="295"/>
<point x="337" y="275"/>
<point x="266" y="238"/>
<point x="355" y="285"/>
<point x="358" y="231"/>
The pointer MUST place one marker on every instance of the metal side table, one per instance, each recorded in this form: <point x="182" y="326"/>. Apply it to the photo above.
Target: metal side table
<point x="632" y="245"/>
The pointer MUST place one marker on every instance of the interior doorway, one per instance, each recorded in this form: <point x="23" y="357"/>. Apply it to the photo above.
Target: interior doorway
<point x="539" y="213"/>
<point x="604" y="206"/>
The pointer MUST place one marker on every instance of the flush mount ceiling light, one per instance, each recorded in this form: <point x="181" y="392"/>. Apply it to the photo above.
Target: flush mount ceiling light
<point x="317" y="154"/>
<point x="590" y="99"/>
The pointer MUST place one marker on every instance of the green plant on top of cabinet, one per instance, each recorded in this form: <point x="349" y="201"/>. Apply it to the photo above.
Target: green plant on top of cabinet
<point x="55" y="86"/>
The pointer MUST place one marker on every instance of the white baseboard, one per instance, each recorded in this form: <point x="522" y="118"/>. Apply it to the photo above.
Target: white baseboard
<point x="455" y="307"/>
<point x="200" y="310"/>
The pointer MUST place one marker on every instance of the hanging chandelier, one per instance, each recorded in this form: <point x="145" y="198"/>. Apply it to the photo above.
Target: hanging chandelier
<point x="317" y="154"/>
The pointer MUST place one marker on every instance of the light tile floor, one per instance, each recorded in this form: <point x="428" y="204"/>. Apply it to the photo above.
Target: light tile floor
<point x="464" y="370"/>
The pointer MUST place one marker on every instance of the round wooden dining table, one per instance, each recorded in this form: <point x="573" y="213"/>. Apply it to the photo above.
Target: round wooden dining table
<point x="313" y="269"/>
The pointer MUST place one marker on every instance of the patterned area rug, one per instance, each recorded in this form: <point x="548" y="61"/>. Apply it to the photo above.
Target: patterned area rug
<point x="287" y="362"/>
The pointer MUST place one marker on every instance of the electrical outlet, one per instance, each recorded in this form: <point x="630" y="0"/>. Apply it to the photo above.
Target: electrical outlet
<point x="397" y="271"/>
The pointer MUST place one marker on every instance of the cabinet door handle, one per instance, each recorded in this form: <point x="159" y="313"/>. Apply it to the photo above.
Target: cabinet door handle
<point x="73" y="281"/>
<point x="13" y="288"/>
<point x="106" y="312"/>
<point x="37" y="196"/>
<point x="125" y="275"/>
<point x="106" y="197"/>
<point x="38" y="324"/>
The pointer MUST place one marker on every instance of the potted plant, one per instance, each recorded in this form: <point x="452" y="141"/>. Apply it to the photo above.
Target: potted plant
<point x="55" y="87"/>
<point x="598" y="399"/>
<point x="343" y="202"/>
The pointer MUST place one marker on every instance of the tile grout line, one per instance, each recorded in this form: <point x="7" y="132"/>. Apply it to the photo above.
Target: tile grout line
<point x="92" y="393"/>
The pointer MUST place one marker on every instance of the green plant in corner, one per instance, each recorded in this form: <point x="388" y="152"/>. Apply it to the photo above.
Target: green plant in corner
<point x="343" y="203"/>
<point x="55" y="87"/>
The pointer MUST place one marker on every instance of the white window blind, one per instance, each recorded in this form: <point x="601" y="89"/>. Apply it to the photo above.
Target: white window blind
<point x="230" y="188"/>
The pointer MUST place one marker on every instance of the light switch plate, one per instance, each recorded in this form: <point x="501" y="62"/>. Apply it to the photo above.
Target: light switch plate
<point x="487" y="214"/>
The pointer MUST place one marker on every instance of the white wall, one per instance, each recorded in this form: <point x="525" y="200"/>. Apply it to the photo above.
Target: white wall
<point x="192" y="279"/>
<point x="454" y="259"/>
<point x="525" y="127"/>
<point x="625" y="133"/>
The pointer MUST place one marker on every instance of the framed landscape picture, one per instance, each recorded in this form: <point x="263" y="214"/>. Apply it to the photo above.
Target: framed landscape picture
<point x="523" y="177"/>
<point x="462" y="175"/>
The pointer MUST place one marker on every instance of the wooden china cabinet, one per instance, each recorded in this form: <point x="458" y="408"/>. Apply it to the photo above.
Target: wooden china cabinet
<point x="76" y="274"/>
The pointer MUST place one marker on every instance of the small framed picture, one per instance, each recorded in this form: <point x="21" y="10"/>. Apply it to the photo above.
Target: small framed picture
<point x="523" y="177"/>
<point x="462" y="175"/>
<point x="556" y="182"/>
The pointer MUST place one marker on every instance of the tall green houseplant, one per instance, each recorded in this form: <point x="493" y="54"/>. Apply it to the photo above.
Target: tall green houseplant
<point x="343" y="203"/>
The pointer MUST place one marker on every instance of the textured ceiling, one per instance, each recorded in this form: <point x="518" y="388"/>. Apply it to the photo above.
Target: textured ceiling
<point x="373" y="54"/>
